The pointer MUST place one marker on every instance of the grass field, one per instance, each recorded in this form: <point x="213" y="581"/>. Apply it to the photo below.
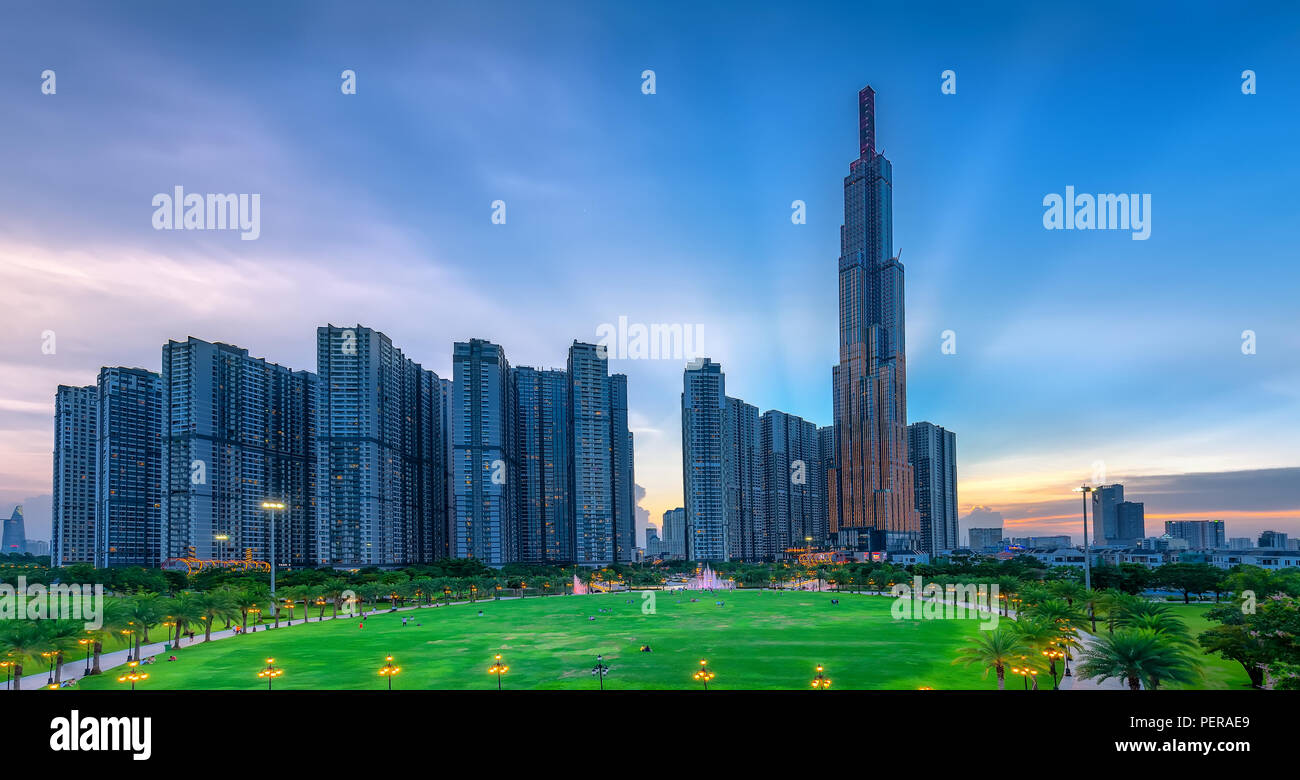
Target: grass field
<point x="1219" y="673"/>
<point x="758" y="640"/>
<point x="767" y="640"/>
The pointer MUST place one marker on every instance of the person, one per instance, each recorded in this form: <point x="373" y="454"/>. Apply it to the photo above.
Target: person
<point x="404" y="621"/>
<point x="480" y="613"/>
<point x="172" y="658"/>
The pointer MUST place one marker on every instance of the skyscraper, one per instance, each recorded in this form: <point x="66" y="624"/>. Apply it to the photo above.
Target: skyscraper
<point x="1105" y="518"/>
<point x="592" y="478"/>
<point x="13" y="541"/>
<point x="742" y="480"/>
<point x="704" y="403"/>
<point x="674" y="528"/>
<point x="73" y="532"/>
<point x="622" y="473"/>
<point x="871" y="486"/>
<point x="483" y="443"/>
<point x="237" y="430"/>
<point x="793" y="513"/>
<point x="380" y="449"/>
<point x="1130" y="523"/>
<point x="545" y="457"/>
<point x="128" y="481"/>
<point x="933" y="453"/>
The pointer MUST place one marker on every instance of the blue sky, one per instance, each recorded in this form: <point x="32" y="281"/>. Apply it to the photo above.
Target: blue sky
<point x="1073" y="348"/>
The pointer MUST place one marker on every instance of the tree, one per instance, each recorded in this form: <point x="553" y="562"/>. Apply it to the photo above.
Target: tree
<point x="21" y="641"/>
<point x="216" y="605"/>
<point x="186" y="609"/>
<point x="1189" y="578"/>
<point x="993" y="650"/>
<point x="1141" y="657"/>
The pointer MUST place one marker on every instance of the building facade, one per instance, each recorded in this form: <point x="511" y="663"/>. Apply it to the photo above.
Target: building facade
<point x="704" y="405"/>
<point x="129" y="453"/>
<point x="794" y="513"/>
<point x="237" y="431"/>
<point x="872" y="498"/>
<point x="485" y="453"/>
<point x="1199" y="534"/>
<point x="1105" y="513"/>
<point x="933" y="453"/>
<point x="74" y="535"/>
<point x="742" y="482"/>
<point x="622" y="472"/>
<point x="545" y="458"/>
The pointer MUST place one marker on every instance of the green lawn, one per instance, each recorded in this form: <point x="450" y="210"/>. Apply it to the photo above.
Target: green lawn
<point x="769" y="640"/>
<point x="1219" y="673"/>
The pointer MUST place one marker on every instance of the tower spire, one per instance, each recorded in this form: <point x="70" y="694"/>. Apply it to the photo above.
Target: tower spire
<point x="867" y="123"/>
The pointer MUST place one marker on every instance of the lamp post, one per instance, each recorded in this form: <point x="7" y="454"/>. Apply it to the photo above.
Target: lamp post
<point x="221" y="545"/>
<point x="89" y="643"/>
<point x="273" y="507"/>
<point x="703" y="674"/>
<point x="132" y="675"/>
<point x="389" y="670"/>
<point x="1087" y="556"/>
<point x="821" y="682"/>
<point x="270" y="672"/>
<point x="7" y="665"/>
<point x="600" y="670"/>
<point x="498" y="669"/>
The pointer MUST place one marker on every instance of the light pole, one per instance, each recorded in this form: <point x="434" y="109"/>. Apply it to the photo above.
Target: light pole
<point x="600" y="670"/>
<point x="389" y="670"/>
<point x="498" y="669"/>
<point x="270" y="672"/>
<point x="273" y="507"/>
<point x="821" y="682"/>
<point x="1087" y="555"/>
<point x="7" y="665"/>
<point x="132" y="675"/>
<point x="704" y="674"/>
<point x="89" y="642"/>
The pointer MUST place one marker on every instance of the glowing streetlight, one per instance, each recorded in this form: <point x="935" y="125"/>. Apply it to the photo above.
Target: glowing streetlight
<point x="821" y="681"/>
<point x="89" y="643"/>
<point x="1053" y="654"/>
<point x="389" y="670"/>
<point x="273" y="507"/>
<point x="498" y="669"/>
<point x="270" y="672"/>
<point x="600" y="670"/>
<point x="1025" y="673"/>
<point x="7" y="665"/>
<point x="133" y="675"/>
<point x="704" y="674"/>
<point x="1087" y="562"/>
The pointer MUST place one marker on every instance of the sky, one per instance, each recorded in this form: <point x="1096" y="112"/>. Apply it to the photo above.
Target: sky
<point x="1081" y="356"/>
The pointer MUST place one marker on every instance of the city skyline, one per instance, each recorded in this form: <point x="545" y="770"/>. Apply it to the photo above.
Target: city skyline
<point x="1138" y="367"/>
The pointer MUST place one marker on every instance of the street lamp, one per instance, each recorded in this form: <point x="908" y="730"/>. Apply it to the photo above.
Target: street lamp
<point x="389" y="670"/>
<point x="821" y="681"/>
<point x="703" y="674"/>
<point x="7" y="665"/>
<point x="1025" y="673"/>
<point x="600" y="670"/>
<point x="498" y="669"/>
<point x="1087" y="557"/>
<point x="256" y="612"/>
<point x="133" y="675"/>
<point x="1053" y="654"/>
<point x="89" y="642"/>
<point x="270" y="672"/>
<point x="221" y="545"/>
<point x="273" y="507"/>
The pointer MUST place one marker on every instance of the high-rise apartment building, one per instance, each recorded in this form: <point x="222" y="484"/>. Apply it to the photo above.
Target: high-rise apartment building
<point x="622" y="473"/>
<point x="129" y="454"/>
<point x="742" y="481"/>
<point x="704" y="404"/>
<point x="872" y="498"/>
<point x="675" y="533"/>
<point x="1105" y="515"/>
<point x="13" y="538"/>
<point x="793" y="514"/>
<point x="381" y="448"/>
<point x="485" y="454"/>
<point x="74" y="537"/>
<point x="985" y="539"/>
<point x="593" y="480"/>
<point x="545" y="457"/>
<point x="1199" y="534"/>
<point x="933" y="453"/>
<point x="1130" y="523"/>
<point x="237" y="431"/>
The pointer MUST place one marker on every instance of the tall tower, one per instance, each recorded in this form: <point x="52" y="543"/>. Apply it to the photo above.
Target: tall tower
<point x="870" y="485"/>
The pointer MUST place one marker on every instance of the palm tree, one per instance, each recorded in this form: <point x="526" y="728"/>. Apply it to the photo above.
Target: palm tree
<point x="21" y="641"/>
<point x="216" y="605"/>
<point x="186" y="609"/>
<point x="1070" y="590"/>
<point x="993" y="650"/>
<point x="1058" y="612"/>
<point x="1140" y="657"/>
<point x="60" y="637"/>
<point x="143" y="613"/>
<point x="247" y="599"/>
<point x="1114" y="603"/>
<point x="1159" y="621"/>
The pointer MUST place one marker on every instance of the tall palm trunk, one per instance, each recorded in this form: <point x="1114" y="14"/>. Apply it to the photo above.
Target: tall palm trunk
<point x="1002" y="678"/>
<point x="99" y="648"/>
<point x="207" y="629"/>
<point x="18" y="676"/>
<point x="58" y="667"/>
<point x="1133" y="684"/>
